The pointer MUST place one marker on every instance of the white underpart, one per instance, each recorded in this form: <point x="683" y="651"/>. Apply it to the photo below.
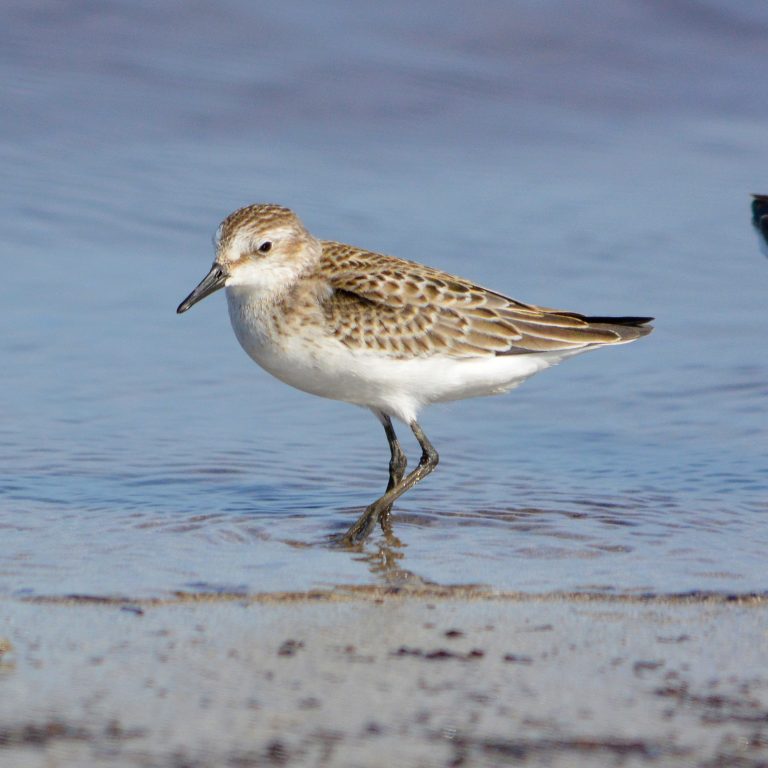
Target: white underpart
<point x="322" y="366"/>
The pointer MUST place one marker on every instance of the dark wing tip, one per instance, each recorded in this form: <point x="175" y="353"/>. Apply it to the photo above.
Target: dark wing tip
<point x="631" y="321"/>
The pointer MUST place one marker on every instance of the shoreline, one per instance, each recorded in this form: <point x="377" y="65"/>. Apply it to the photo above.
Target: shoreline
<point x="374" y="592"/>
<point x="375" y="676"/>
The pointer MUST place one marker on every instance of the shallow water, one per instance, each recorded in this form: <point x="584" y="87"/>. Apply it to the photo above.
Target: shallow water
<point x="597" y="159"/>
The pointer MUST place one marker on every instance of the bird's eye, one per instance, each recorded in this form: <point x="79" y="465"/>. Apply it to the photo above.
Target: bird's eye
<point x="265" y="246"/>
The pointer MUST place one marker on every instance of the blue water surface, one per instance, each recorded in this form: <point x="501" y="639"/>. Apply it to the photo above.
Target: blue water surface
<point x="595" y="157"/>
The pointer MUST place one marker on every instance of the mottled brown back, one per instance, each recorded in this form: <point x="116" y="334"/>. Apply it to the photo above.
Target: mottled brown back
<point x="405" y="309"/>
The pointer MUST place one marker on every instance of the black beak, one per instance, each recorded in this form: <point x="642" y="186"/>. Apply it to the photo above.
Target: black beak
<point x="208" y="285"/>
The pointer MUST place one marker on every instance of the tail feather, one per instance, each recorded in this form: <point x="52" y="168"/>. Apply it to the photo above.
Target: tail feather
<point x="627" y="328"/>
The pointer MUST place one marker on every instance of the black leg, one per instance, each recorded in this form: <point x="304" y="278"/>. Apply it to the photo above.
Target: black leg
<point x="367" y="521"/>
<point x="397" y="464"/>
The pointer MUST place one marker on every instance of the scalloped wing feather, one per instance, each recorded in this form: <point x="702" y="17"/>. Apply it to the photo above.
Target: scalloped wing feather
<point x="401" y="308"/>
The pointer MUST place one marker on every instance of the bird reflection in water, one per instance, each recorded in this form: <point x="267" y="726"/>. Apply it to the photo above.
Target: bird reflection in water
<point x="384" y="560"/>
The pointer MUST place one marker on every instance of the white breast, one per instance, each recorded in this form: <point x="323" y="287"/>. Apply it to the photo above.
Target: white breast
<point x="319" y="364"/>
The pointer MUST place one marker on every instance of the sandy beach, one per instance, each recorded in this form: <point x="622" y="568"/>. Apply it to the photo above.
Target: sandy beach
<point x="385" y="676"/>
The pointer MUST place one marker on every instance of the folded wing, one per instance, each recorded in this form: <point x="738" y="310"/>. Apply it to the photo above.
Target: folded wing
<point x="402" y="308"/>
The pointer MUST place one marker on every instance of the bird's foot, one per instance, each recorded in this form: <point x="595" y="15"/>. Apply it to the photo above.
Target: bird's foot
<point x="385" y="520"/>
<point x="363" y="526"/>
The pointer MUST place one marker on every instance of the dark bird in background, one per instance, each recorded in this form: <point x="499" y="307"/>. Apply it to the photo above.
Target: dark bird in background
<point x="760" y="220"/>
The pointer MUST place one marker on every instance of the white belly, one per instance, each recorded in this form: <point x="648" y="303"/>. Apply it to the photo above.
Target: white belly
<point x="323" y="366"/>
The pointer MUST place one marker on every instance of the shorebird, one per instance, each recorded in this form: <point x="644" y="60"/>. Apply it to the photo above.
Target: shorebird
<point x="381" y="332"/>
<point x="760" y="220"/>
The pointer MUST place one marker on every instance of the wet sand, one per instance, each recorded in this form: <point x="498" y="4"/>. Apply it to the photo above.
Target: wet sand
<point x="419" y="676"/>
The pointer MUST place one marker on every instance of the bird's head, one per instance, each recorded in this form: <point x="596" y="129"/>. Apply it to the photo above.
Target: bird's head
<point x="264" y="247"/>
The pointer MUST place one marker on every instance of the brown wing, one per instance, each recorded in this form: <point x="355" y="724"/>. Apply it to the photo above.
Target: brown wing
<point x="388" y="304"/>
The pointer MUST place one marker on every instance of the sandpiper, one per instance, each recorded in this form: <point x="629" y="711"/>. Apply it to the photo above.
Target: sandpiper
<point x="381" y="332"/>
